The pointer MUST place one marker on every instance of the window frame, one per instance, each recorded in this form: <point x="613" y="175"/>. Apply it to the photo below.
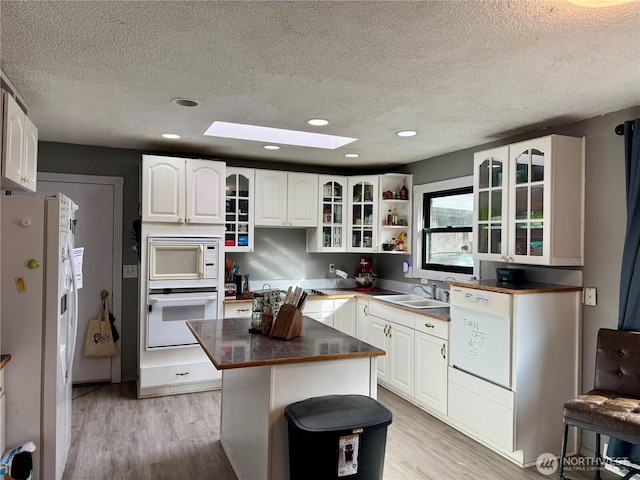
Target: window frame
<point x="419" y="223"/>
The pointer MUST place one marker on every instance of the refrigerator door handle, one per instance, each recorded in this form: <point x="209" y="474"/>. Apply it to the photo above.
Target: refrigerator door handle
<point x="74" y="313"/>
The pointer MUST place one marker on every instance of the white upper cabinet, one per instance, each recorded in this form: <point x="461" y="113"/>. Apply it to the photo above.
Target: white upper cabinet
<point x="529" y="202"/>
<point x="286" y="199"/>
<point x="329" y="235"/>
<point x="205" y="191"/>
<point x="19" y="147"/>
<point x="363" y="214"/>
<point x="239" y="196"/>
<point x="179" y="190"/>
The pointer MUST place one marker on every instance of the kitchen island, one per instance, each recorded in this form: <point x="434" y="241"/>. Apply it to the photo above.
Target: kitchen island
<point x="262" y="375"/>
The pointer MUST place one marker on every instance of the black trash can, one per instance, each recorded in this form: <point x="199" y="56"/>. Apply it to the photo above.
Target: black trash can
<point x="337" y="436"/>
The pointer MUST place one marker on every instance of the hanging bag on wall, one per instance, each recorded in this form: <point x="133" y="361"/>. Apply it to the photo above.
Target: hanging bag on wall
<point x="99" y="340"/>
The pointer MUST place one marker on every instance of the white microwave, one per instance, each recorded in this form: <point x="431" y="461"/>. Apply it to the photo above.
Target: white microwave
<point x="175" y="260"/>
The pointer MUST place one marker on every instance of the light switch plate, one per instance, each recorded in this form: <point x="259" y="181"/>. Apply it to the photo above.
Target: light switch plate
<point x="590" y="296"/>
<point x="130" y="271"/>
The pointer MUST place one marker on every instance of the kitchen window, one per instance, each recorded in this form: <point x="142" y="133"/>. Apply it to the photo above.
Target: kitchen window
<point x="444" y="231"/>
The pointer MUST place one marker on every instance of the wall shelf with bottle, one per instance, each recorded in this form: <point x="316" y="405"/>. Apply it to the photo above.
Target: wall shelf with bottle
<point x="329" y="235"/>
<point x="394" y="222"/>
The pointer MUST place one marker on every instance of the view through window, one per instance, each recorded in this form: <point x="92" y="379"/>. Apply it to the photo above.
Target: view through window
<point x="447" y="232"/>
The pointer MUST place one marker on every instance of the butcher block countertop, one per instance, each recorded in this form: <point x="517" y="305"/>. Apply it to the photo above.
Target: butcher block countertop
<point x="337" y="294"/>
<point x="514" y="288"/>
<point x="228" y="344"/>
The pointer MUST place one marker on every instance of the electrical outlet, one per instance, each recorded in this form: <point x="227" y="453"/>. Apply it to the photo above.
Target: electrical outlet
<point x="590" y="296"/>
<point x="130" y="271"/>
<point x="332" y="268"/>
<point x="424" y="280"/>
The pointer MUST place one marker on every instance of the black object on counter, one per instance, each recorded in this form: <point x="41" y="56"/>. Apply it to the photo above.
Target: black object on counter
<point x="237" y="279"/>
<point x="510" y="275"/>
<point x="337" y="436"/>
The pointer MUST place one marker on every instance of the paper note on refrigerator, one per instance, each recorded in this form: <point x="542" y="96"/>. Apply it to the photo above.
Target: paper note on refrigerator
<point x="78" y="255"/>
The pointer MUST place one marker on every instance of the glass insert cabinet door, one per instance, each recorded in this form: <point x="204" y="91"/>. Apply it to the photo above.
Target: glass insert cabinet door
<point x="333" y="220"/>
<point x="238" y="233"/>
<point x="491" y="174"/>
<point x="528" y="194"/>
<point x="363" y="212"/>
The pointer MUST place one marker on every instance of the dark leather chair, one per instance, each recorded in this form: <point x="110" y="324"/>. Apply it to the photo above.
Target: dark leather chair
<point x="613" y="407"/>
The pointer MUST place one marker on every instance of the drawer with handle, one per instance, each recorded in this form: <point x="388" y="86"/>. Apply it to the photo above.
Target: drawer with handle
<point x="432" y="326"/>
<point x="237" y="310"/>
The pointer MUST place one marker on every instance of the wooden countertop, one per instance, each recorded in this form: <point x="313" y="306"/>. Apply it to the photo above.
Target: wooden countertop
<point x="4" y="359"/>
<point x="513" y="288"/>
<point x="336" y="294"/>
<point x="229" y="344"/>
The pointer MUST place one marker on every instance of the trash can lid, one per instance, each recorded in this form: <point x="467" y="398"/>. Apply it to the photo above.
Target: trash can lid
<point x="337" y="412"/>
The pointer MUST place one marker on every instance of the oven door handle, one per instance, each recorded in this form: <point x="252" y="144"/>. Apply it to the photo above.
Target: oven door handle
<point x="182" y="299"/>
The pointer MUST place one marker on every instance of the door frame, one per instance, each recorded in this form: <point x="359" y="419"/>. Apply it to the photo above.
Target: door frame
<point x="116" y="300"/>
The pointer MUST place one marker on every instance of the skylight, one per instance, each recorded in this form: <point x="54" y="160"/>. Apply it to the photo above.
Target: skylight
<point x="276" y="135"/>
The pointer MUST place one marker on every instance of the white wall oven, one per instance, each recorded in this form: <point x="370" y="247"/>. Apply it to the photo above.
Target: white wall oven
<point x="183" y="284"/>
<point x="168" y="311"/>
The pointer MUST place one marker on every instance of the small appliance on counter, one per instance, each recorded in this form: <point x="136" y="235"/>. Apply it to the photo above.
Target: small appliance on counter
<point x="365" y="278"/>
<point x="510" y="275"/>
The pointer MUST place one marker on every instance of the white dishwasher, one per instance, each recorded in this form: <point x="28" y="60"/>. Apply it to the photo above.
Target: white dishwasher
<point x="480" y="334"/>
<point x="480" y="397"/>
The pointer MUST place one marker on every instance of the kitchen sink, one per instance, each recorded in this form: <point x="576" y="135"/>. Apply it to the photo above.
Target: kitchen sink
<point x="413" y="301"/>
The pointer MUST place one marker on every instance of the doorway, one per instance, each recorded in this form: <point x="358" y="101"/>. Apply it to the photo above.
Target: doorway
<point x="99" y="231"/>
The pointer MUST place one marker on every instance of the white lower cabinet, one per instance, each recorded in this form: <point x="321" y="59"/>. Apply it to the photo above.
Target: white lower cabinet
<point x="417" y="346"/>
<point x="431" y="371"/>
<point x="320" y="310"/>
<point x="377" y="336"/>
<point x="396" y="338"/>
<point x="402" y="363"/>
<point x="344" y="314"/>
<point x="362" y="320"/>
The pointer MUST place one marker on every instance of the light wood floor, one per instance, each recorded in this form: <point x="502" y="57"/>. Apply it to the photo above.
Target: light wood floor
<point x="116" y="436"/>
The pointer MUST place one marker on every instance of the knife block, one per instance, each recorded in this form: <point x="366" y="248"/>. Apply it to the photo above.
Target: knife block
<point x="288" y="323"/>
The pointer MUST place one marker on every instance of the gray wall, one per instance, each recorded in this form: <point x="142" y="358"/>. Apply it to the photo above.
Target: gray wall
<point x="286" y="257"/>
<point x="79" y="159"/>
<point x="280" y="254"/>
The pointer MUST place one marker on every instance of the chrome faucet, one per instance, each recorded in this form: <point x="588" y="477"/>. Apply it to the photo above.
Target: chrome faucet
<point x="429" y="294"/>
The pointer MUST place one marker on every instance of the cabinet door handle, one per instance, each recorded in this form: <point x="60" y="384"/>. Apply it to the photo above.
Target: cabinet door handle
<point x="243" y="310"/>
<point x="182" y="374"/>
<point x="188" y="219"/>
<point x="385" y="330"/>
<point x="366" y="310"/>
<point x="428" y="325"/>
<point x="389" y="330"/>
<point x="180" y="220"/>
<point x="442" y="351"/>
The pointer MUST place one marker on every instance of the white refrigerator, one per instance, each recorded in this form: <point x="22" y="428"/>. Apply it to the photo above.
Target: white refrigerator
<point x="39" y="325"/>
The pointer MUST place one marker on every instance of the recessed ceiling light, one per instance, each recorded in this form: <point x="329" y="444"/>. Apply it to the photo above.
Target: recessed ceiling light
<point x="272" y="147"/>
<point x="170" y="135"/>
<point x="276" y="135"/>
<point x="352" y="155"/>
<point x="407" y="133"/>
<point x="319" y="122"/>
<point x="185" y="102"/>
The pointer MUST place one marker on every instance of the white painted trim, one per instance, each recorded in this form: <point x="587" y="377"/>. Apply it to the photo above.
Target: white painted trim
<point x="416" y="257"/>
<point x="116" y="300"/>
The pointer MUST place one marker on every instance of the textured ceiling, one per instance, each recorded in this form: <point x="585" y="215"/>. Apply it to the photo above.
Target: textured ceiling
<point x="462" y="73"/>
